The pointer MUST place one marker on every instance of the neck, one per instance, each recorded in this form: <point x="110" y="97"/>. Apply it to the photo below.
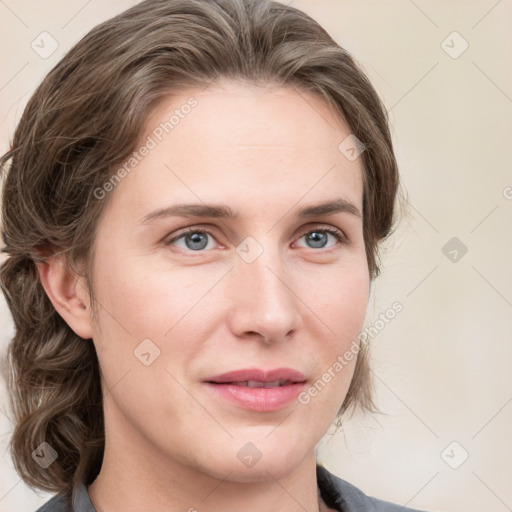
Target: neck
<point x="136" y="475"/>
<point x="127" y="491"/>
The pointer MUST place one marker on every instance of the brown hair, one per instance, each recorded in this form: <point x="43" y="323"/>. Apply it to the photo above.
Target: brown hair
<point x="83" y="121"/>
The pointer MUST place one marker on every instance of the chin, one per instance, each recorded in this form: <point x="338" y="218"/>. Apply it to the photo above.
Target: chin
<point x="248" y="465"/>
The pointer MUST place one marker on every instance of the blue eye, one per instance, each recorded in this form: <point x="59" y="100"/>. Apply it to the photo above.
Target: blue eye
<point x="197" y="239"/>
<point x="319" y="237"/>
<point x="194" y="239"/>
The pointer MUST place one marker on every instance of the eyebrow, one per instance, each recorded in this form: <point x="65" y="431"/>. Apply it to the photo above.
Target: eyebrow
<point x="339" y="205"/>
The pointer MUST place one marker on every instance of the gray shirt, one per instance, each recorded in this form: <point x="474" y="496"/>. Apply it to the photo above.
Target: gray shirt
<point x="337" y="494"/>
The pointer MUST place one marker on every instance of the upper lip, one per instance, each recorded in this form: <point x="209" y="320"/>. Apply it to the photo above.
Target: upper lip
<point x="255" y="374"/>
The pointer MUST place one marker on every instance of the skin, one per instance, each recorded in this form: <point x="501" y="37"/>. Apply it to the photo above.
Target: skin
<point x="170" y="444"/>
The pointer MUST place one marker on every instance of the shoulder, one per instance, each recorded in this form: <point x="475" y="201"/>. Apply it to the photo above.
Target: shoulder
<point x="56" y="504"/>
<point x="76" y="501"/>
<point x="344" y="496"/>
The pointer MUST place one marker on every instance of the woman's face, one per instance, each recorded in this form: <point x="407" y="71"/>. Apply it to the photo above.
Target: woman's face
<point x="253" y="285"/>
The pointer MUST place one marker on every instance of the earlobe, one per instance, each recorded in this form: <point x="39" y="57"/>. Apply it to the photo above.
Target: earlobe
<point x="68" y="293"/>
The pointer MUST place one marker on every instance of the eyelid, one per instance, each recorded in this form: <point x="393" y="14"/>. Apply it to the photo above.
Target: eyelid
<point x="191" y="229"/>
<point x="319" y="226"/>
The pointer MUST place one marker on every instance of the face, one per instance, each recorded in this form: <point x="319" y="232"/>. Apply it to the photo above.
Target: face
<point x="187" y="294"/>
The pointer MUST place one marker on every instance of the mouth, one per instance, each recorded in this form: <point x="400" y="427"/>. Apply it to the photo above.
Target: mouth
<point x="258" y="390"/>
<point x="256" y="384"/>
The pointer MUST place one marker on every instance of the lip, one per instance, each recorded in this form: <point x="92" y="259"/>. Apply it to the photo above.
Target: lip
<point x="227" y="387"/>
<point x="259" y="375"/>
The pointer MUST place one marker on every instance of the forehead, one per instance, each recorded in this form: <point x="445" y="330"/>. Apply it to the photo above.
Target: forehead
<point x="246" y="115"/>
<point x="239" y="143"/>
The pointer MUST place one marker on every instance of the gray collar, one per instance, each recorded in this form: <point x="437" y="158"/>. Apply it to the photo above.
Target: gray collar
<point x="81" y="500"/>
<point x="336" y="493"/>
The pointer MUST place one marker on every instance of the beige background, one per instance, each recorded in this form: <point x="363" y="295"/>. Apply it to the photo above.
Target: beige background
<point x="442" y="366"/>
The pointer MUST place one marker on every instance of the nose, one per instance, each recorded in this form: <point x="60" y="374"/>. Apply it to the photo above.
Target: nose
<point x="264" y="304"/>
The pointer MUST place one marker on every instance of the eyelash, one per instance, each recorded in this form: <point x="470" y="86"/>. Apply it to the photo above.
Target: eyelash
<point x="337" y="233"/>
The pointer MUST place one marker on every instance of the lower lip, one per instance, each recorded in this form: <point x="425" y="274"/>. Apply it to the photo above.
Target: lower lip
<point x="258" y="399"/>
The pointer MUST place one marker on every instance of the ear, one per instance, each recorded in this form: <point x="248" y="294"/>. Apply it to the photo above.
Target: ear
<point x="68" y="293"/>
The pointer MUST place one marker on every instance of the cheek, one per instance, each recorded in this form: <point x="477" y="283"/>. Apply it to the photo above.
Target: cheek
<point x="339" y="298"/>
<point x="168" y="306"/>
<point x="339" y="303"/>
<point x="141" y="346"/>
<point x="147" y="299"/>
